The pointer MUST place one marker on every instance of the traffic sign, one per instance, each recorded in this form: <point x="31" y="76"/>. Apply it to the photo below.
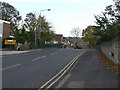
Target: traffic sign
<point x="10" y="42"/>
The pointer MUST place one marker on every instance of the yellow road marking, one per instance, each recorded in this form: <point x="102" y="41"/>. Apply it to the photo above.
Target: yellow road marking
<point x="60" y="75"/>
<point x="70" y="63"/>
<point x="57" y="74"/>
<point x="64" y="71"/>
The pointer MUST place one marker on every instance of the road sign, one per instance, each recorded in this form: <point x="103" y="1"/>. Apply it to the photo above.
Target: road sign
<point x="13" y="42"/>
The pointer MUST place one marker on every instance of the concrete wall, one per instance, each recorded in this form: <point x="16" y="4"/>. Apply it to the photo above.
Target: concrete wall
<point x="112" y="50"/>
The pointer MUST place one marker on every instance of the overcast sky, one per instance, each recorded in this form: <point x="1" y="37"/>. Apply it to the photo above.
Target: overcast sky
<point x="65" y="14"/>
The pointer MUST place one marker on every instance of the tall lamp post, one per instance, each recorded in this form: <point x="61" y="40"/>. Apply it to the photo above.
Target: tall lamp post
<point x="40" y="21"/>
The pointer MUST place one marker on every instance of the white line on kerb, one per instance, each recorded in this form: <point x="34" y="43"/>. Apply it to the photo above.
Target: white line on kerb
<point x="38" y="58"/>
<point x="11" y="67"/>
<point x="53" y="53"/>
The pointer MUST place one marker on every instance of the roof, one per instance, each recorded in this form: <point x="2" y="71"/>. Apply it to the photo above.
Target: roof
<point x="11" y="36"/>
<point x="3" y="21"/>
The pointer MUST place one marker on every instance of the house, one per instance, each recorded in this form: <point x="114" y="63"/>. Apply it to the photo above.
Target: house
<point x="4" y="29"/>
<point x="58" y="38"/>
<point x="73" y="41"/>
<point x="55" y="40"/>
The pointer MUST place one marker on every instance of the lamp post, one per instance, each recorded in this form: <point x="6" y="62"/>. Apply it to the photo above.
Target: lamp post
<point x="40" y="21"/>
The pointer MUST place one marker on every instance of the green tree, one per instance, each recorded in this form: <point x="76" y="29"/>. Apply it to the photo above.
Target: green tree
<point x="108" y="23"/>
<point x="30" y="21"/>
<point x="21" y="36"/>
<point x="114" y="12"/>
<point x="46" y="29"/>
<point x="11" y="14"/>
<point x="33" y="23"/>
<point x="88" y="35"/>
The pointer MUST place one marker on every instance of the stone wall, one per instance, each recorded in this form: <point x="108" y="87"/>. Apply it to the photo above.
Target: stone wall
<point x="112" y="50"/>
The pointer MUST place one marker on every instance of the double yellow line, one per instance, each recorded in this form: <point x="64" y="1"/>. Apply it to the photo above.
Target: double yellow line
<point x="63" y="71"/>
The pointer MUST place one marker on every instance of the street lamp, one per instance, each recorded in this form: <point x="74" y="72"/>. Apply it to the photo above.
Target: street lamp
<point x="40" y="20"/>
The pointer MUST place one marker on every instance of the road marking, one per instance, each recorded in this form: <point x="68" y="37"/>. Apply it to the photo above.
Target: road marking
<point x="63" y="81"/>
<point x="11" y="67"/>
<point x="63" y="71"/>
<point x="53" y="53"/>
<point x="38" y="58"/>
<point x="62" y="74"/>
<point x="57" y="74"/>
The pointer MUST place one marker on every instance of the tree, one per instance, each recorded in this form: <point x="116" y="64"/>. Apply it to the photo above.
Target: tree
<point x="33" y="23"/>
<point x="114" y="11"/>
<point x="21" y="35"/>
<point x="108" y="23"/>
<point x="76" y="32"/>
<point x="88" y="35"/>
<point x="107" y="27"/>
<point x="9" y="13"/>
<point x="30" y="22"/>
<point x="46" y="29"/>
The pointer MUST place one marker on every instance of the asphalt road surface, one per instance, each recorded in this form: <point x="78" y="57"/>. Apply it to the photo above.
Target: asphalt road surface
<point x="32" y="70"/>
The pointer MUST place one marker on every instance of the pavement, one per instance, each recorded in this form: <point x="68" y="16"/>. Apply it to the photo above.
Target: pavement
<point x="4" y="53"/>
<point x="89" y="72"/>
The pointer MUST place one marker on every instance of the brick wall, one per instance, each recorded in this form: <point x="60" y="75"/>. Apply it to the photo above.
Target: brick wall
<point x="119" y="49"/>
<point x="0" y="43"/>
<point x="114" y="47"/>
<point x="23" y="47"/>
<point x="6" y="30"/>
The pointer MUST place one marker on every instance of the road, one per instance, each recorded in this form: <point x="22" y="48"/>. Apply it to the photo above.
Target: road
<point x="89" y="72"/>
<point x="32" y="70"/>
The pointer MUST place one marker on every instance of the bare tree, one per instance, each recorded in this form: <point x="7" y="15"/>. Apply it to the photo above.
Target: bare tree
<point x="76" y="32"/>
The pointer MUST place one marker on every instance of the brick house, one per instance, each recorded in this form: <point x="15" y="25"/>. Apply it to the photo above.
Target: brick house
<point x="4" y="29"/>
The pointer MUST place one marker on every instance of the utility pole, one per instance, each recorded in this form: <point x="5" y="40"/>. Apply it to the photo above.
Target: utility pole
<point x="40" y="21"/>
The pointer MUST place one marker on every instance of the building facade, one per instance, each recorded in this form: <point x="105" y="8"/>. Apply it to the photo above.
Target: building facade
<point x="4" y="29"/>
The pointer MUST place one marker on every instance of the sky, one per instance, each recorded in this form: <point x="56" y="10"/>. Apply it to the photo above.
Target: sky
<point x="65" y="14"/>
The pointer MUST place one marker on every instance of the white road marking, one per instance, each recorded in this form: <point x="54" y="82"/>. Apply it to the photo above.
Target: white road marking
<point x="38" y="58"/>
<point x="53" y="53"/>
<point x="10" y="67"/>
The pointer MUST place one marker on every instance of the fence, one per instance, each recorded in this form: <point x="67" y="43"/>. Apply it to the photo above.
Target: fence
<point x="52" y="45"/>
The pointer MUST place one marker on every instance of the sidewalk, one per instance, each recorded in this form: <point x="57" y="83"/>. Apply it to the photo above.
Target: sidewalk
<point x="4" y="53"/>
<point x="90" y="73"/>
